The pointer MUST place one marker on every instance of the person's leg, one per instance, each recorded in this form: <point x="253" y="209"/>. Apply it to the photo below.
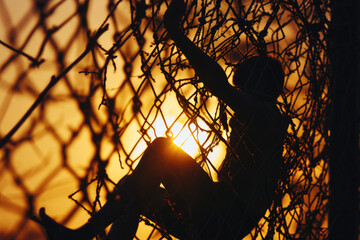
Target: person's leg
<point x="162" y="162"/>
<point x="96" y="224"/>
<point x="187" y="185"/>
<point x="169" y="216"/>
<point x="125" y="227"/>
<point x="233" y="219"/>
<point x="118" y="204"/>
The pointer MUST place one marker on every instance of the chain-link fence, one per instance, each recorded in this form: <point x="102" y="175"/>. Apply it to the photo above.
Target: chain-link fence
<point x="105" y="80"/>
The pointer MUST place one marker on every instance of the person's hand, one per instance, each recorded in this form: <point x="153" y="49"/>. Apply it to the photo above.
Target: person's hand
<point x="174" y="14"/>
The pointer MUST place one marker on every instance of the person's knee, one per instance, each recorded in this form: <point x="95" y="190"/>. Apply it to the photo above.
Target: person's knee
<point x="163" y="154"/>
<point x="157" y="150"/>
<point x="160" y="143"/>
<point x="162" y="146"/>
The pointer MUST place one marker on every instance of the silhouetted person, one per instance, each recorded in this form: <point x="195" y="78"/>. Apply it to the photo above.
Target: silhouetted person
<point x="193" y="206"/>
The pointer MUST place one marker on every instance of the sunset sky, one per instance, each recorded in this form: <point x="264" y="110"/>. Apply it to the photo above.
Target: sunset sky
<point x="60" y="146"/>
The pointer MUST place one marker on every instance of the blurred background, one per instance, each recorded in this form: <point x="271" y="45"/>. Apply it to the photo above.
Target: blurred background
<point x="116" y="82"/>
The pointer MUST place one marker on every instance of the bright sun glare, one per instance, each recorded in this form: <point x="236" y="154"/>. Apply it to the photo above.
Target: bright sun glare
<point x="188" y="139"/>
<point x="182" y="136"/>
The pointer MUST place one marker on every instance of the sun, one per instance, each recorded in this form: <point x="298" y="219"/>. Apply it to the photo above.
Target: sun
<point x="188" y="138"/>
<point x="185" y="136"/>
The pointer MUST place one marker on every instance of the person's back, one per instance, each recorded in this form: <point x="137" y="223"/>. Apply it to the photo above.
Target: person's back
<point x="253" y="163"/>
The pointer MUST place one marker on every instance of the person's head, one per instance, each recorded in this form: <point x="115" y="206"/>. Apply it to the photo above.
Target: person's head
<point x="261" y="75"/>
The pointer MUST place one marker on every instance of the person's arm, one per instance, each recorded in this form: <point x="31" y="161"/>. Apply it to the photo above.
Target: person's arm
<point x="208" y="70"/>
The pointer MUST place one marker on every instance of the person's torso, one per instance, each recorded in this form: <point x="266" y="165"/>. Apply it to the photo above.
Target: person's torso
<point x="252" y="163"/>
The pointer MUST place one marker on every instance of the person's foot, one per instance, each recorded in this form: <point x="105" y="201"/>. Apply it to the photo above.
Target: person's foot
<point x="54" y="230"/>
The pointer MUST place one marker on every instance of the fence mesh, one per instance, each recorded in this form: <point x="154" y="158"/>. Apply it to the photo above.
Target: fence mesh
<point x="106" y="80"/>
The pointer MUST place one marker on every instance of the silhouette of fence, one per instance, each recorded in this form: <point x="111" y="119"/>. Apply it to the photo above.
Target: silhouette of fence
<point x="106" y="80"/>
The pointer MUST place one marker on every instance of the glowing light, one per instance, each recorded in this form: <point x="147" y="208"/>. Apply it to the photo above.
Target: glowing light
<point x="186" y="137"/>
